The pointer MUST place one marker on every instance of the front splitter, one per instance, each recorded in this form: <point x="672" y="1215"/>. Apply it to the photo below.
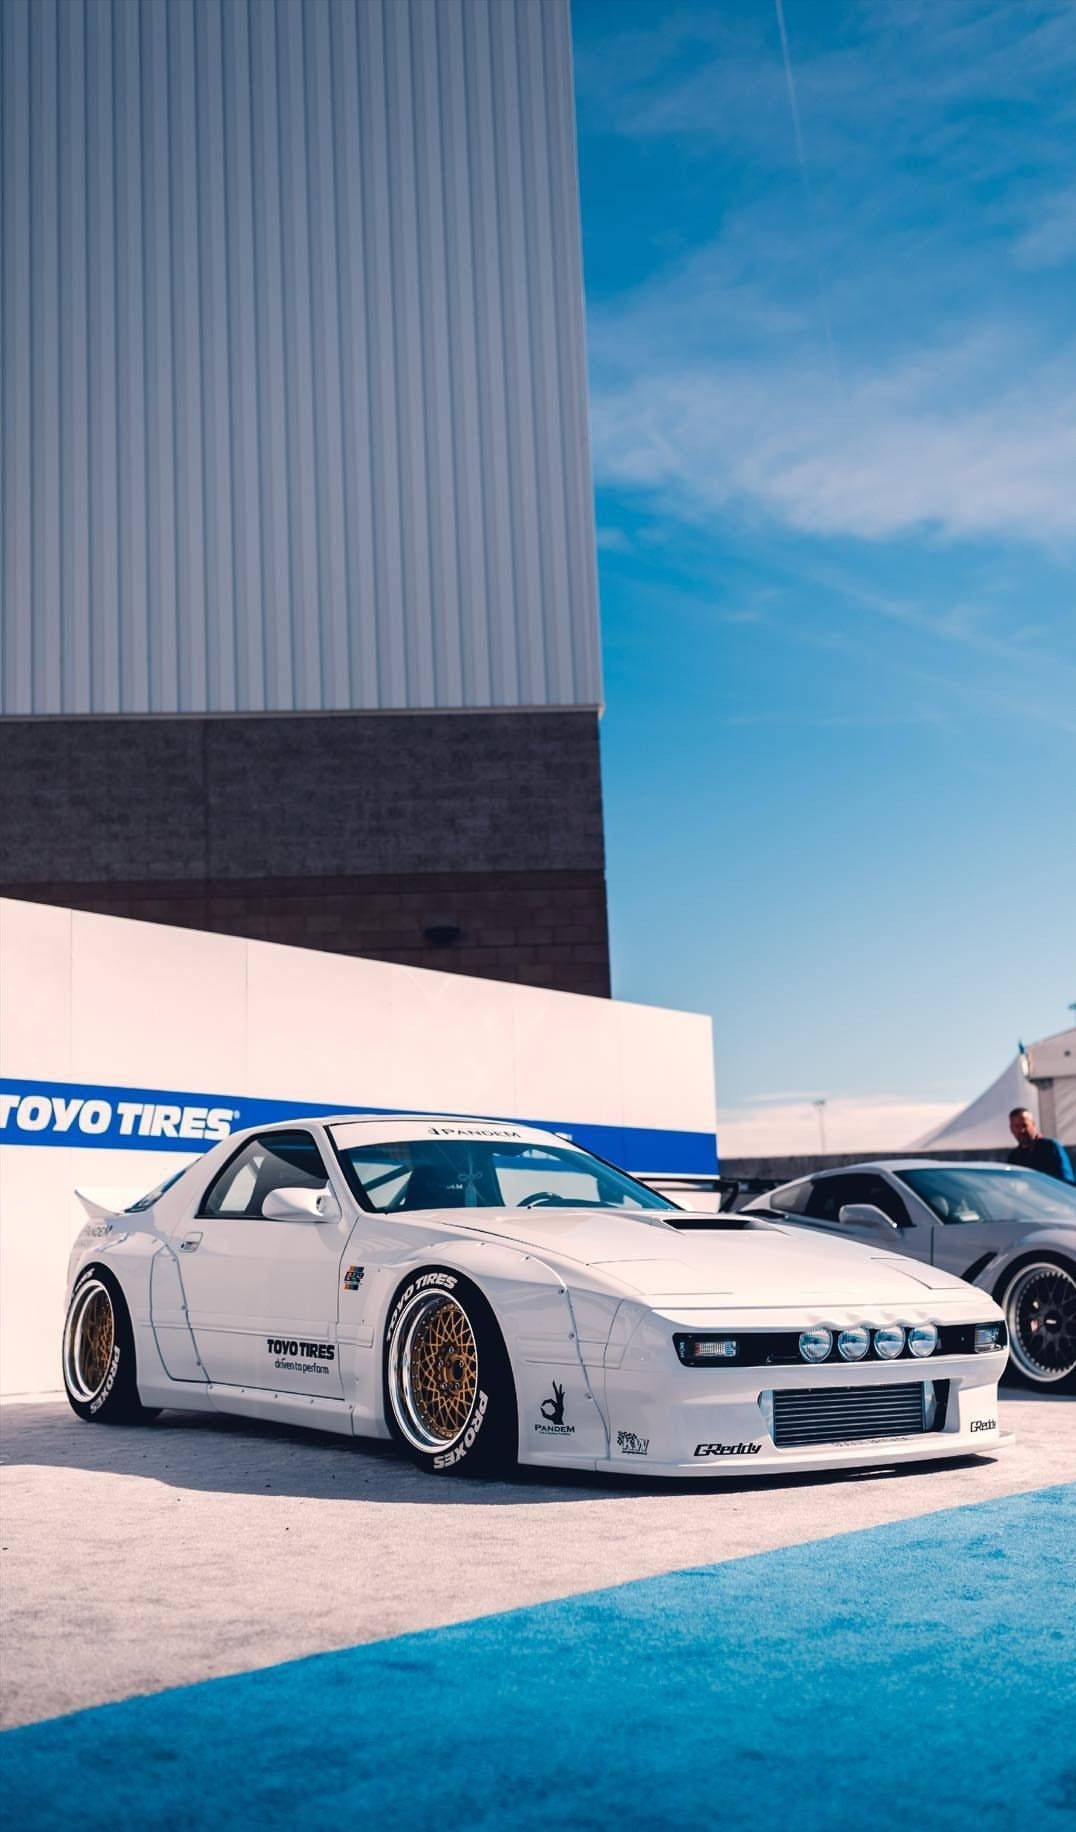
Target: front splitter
<point x="876" y="1454"/>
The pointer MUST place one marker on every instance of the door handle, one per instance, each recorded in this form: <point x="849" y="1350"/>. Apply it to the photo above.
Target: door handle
<point x="190" y="1243"/>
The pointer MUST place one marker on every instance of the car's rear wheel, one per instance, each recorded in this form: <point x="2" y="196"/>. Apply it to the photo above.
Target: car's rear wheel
<point x="449" y="1393"/>
<point x="1040" y="1308"/>
<point x="98" y="1354"/>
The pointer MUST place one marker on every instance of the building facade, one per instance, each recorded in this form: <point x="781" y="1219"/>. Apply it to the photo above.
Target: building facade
<point x="299" y="611"/>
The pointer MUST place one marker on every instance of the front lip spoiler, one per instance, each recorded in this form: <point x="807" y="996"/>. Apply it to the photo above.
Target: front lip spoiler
<point x="942" y="1448"/>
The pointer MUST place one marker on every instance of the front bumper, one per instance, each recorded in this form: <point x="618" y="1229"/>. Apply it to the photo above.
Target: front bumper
<point x="669" y="1420"/>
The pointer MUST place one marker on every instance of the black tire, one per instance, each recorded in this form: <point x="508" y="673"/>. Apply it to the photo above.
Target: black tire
<point x="449" y="1394"/>
<point x="100" y="1376"/>
<point x="1039" y="1301"/>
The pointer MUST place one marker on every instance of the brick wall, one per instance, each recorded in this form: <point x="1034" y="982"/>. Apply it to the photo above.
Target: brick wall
<point x="356" y="833"/>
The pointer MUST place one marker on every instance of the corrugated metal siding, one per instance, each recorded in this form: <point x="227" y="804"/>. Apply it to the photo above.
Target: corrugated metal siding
<point x="293" y="380"/>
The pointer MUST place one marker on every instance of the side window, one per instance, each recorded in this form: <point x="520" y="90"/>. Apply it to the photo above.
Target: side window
<point x="275" y="1161"/>
<point x="831" y="1193"/>
<point x="792" y="1201"/>
<point x="885" y="1197"/>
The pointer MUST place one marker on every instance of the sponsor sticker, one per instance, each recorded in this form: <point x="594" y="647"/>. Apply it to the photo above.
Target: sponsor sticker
<point x="984" y="1424"/>
<point x="727" y="1450"/>
<point x="353" y="1277"/>
<point x="311" y="1351"/>
<point x="474" y="1132"/>
<point x="552" y="1411"/>
<point x="630" y="1445"/>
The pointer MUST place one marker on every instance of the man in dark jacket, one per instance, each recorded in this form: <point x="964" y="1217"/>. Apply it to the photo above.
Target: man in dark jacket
<point x="1033" y="1152"/>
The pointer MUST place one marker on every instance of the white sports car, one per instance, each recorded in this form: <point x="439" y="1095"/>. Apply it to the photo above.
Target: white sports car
<point x="486" y="1293"/>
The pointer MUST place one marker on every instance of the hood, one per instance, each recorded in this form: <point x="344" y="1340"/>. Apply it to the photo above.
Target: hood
<point x="763" y="1263"/>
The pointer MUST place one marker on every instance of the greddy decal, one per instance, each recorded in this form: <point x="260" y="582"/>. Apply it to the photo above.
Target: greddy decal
<point x="727" y="1450"/>
<point x="64" y="1113"/>
<point x="552" y="1411"/>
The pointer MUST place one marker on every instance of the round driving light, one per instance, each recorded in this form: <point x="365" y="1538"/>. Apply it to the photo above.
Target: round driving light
<point x="923" y="1339"/>
<point x="815" y="1344"/>
<point x="889" y="1342"/>
<point x="854" y="1343"/>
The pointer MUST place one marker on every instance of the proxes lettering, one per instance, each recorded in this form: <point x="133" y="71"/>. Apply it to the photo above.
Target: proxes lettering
<point x="458" y="1451"/>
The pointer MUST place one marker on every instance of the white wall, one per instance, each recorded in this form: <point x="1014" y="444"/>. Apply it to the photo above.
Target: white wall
<point x="93" y="1008"/>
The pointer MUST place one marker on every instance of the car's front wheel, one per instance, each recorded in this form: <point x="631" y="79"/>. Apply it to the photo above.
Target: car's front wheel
<point x="449" y="1393"/>
<point x="1039" y="1302"/>
<point x="98" y="1354"/>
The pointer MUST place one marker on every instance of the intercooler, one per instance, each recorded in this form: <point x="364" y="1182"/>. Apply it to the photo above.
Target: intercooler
<point x="845" y="1415"/>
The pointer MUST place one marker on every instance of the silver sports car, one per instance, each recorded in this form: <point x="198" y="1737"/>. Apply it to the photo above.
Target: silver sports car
<point x="1010" y="1231"/>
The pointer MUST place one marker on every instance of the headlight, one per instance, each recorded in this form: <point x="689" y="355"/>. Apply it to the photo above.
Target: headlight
<point x="854" y="1343"/>
<point x="815" y="1344"/>
<point x="923" y="1339"/>
<point x="989" y="1336"/>
<point x="889" y="1342"/>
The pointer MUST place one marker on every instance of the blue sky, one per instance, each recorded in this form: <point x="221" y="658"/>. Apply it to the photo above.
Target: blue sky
<point x="833" y="424"/>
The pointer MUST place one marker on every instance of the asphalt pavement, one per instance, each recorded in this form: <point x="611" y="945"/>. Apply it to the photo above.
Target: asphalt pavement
<point x="158" y="1556"/>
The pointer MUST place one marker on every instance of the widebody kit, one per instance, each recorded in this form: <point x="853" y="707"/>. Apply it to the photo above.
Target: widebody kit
<point x="488" y="1294"/>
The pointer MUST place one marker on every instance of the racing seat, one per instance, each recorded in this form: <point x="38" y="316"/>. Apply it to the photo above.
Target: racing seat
<point x="433" y="1186"/>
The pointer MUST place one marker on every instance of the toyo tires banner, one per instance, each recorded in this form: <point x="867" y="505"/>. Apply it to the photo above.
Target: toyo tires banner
<point x="83" y="1114"/>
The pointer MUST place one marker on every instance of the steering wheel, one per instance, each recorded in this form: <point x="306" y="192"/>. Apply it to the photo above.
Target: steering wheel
<point x="537" y="1196"/>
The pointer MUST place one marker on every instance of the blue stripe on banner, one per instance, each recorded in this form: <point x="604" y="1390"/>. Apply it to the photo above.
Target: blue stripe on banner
<point x="918" y="1674"/>
<point x="157" y="1119"/>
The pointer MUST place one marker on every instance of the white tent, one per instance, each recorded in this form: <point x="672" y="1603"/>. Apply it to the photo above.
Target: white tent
<point x="1043" y="1079"/>
<point x="1052" y="1070"/>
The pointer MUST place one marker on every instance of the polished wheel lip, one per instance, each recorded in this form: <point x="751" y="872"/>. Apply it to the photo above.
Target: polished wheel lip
<point x="1042" y="1373"/>
<point x="89" y="1340"/>
<point x="405" y="1374"/>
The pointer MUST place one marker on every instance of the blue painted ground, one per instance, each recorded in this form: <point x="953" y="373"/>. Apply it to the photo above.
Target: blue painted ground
<point x="918" y="1675"/>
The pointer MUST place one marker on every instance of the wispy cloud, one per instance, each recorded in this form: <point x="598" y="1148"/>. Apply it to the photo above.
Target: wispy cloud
<point x="955" y="411"/>
<point x="939" y="441"/>
<point x="1050" y="239"/>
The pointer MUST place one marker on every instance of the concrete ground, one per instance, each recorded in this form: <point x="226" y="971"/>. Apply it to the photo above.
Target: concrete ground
<point x="155" y="1556"/>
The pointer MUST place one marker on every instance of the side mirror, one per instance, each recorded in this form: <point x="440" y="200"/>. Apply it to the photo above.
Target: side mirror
<point x="301" y="1205"/>
<point x="866" y="1215"/>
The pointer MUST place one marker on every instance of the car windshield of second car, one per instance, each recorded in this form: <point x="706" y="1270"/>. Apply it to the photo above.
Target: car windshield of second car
<point x="473" y="1174"/>
<point x="956" y="1194"/>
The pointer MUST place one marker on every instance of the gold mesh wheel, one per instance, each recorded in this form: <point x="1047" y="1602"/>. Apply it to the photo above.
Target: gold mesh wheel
<point x="433" y="1370"/>
<point x="89" y="1340"/>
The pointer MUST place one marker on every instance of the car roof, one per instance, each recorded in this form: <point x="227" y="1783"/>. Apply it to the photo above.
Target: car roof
<point x="836" y="1170"/>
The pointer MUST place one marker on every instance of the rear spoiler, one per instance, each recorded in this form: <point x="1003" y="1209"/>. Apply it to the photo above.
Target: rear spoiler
<point x="103" y="1211"/>
<point x="732" y="1192"/>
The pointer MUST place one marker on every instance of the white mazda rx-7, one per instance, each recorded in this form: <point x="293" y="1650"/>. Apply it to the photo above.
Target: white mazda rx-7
<point x="488" y="1294"/>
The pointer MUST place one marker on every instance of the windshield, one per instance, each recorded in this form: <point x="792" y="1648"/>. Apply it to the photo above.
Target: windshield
<point x="478" y="1174"/>
<point x="956" y="1194"/>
